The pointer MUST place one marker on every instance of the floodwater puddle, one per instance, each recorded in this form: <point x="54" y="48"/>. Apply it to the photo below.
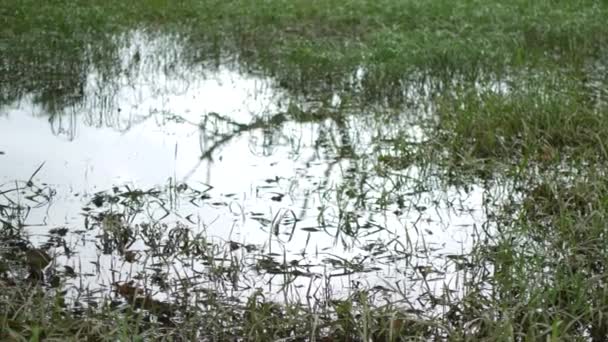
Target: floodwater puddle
<point x="171" y="175"/>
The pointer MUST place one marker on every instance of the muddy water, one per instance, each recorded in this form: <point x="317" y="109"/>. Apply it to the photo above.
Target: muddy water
<point x="295" y="206"/>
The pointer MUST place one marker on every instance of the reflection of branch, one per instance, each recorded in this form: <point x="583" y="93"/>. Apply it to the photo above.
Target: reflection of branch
<point x="346" y="150"/>
<point x="260" y="123"/>
<point x="343" y="145"/>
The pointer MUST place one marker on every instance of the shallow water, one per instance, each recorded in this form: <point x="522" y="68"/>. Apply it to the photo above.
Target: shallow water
<point x="263" y="183"/>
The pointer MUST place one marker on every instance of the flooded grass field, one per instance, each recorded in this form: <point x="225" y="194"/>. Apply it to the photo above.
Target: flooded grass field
<point x="303" y="171"/>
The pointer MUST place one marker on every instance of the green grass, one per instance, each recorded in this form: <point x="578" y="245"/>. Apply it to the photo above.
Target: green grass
<point x="545" y="119"/>
<point x="541" y="277"/>
<point x="550" y="259"/>
<point x="311" y="43"/>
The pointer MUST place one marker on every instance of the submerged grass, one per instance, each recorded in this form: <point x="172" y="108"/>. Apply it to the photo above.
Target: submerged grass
<point x="543" y="119"/>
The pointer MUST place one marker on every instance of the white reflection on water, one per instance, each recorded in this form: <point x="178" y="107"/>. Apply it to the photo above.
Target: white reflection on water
<point x="150" y="125"/>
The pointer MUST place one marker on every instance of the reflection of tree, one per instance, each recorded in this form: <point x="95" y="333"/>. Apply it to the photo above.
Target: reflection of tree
<point x="328" y="123"/>
<point x="272" y="125"/>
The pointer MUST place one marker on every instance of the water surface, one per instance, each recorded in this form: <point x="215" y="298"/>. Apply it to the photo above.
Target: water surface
<point x="297" y="198"/>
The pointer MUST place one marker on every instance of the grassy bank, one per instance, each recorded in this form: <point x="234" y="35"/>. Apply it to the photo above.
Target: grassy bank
<point x="318" y="44"/>
<point x="516" y="95"/>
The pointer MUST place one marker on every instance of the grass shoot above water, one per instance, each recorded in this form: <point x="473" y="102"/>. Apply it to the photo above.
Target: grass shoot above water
<point x="542" y="126"/>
